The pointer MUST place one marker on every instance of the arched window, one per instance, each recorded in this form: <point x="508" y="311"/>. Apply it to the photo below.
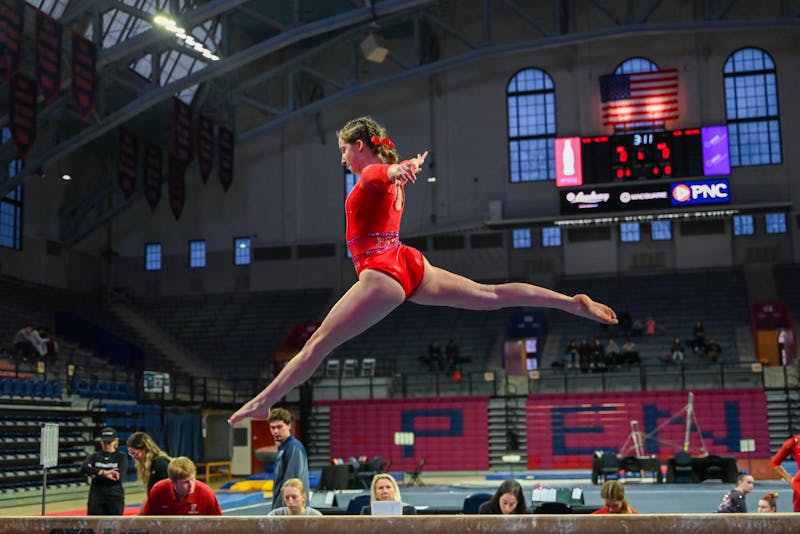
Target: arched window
<point x="751" y="106"/>
<point x="531" y="101"/>
<point x="631" y="66"/>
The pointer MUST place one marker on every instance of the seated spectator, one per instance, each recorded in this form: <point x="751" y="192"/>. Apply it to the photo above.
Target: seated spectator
<point x="713" y="349"/>
<point x="29" y="344"/>
<point x="598" y="357"/>
<point x="676" y="350"/>
<point x="698" y="341"/>
<point x="613" y="353"/>
<point x="434" y="357"/>
<point x="181" y="493"/>
<point x="384" y="488"/>
<point x="49" y="340"/>
<point x="630" y="352"/>
<point x="614" y="502"/>
<point x="637" y="328"/>
<point x="508" y="499"/>
<point x="733" y="502"/>
<point x="293" y="496"/>
<point x="572" y="358"/>
<point x="454" y="359"/>
<point x="768" y="504"/>
<point x="650" y="327"/>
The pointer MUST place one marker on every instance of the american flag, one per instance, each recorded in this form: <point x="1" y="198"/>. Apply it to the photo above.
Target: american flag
<point x="639" y="97"/>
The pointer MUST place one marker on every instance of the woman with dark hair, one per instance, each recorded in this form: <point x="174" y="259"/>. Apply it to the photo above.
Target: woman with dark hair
<point x="151" y="462"/>
<point x="389" y="272"/>
<point x="508" y="499"/>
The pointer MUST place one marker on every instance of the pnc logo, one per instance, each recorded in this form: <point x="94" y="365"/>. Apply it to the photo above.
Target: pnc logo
<point x="705" y="192"/>
<point x="681" y="193"/>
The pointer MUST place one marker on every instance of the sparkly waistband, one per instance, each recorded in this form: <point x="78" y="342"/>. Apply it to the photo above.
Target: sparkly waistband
<point x="372" y="243"/>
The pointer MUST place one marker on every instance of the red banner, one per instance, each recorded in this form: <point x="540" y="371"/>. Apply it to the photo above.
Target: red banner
<point x="177" y="185"/>
<point x="22" y="97"/>
<point x="153" y="163"/>
<point x="225" y="167"/>
<point x="182" y="135"/>
<point x="12" y="22"/>
<point x="48" y="56"/>
<point x="128" y="162"/>
<point x="84" y="75"/>
<point x="205" y="145"/>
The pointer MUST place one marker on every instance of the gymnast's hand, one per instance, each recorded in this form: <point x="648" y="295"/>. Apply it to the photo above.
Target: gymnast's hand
<point x="402" y="173"/>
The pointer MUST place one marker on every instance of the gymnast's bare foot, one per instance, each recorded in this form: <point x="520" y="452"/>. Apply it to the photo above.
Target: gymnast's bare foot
<point x="252" y="408"/>
<point x="594" y="310"/>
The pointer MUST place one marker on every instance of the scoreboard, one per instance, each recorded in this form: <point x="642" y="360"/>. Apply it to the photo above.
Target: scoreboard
<point x="693" y="152"/>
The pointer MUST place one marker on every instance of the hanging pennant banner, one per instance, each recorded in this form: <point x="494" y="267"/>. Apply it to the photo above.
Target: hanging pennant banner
<point x="153" y="163"/>
<point x="177" y="185"/>
<point x="128" y="162"/>
<point x="12" y="23"/>
<point x="225" y="166"/>
<point x="48" y="56"/>
<point x="182" y="134"/>
<point x="84" y="75"/>
<point x="22" y="97"/>
<point x="205" y="145"/>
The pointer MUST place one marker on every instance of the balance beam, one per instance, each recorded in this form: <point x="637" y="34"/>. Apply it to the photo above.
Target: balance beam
<point x="421" y="524"/>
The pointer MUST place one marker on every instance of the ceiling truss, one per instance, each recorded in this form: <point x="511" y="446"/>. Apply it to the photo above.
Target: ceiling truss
<point x="284" y="71"/>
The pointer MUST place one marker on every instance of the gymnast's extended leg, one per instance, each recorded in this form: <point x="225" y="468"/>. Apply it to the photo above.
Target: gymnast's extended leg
<point x="368" y="301"/>
<point x="443" y="288"/>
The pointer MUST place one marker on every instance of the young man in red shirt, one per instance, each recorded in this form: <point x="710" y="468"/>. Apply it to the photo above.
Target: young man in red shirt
<point x="181" y="493"/>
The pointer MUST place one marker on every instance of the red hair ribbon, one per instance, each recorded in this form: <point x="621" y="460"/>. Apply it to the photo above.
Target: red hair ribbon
<point x="385" y="141"/>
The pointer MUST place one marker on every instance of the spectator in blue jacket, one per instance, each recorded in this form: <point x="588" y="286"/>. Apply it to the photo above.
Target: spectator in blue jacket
<point x="291" y="460"/>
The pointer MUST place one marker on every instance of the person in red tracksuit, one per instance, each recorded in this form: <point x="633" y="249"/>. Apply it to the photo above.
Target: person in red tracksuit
<point x="390" y="272"/>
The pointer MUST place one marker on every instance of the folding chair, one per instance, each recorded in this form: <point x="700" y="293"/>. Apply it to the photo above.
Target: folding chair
<point x="349" y="369"/>
<point x="368" y="367"/>
<point x="414" y="475"/>
<point x="332" y="369"/>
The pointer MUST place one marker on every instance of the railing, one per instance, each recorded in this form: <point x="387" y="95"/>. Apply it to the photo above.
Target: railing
<point x="648" y="377"/>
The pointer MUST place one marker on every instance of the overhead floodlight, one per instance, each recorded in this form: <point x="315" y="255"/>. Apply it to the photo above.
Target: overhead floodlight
<point x="373" y="49"/>
<point x="172" y="26"/>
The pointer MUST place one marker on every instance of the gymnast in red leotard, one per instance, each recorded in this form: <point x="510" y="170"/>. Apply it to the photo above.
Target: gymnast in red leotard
<point x="388" y="271"/>
<point x="374" y="208"/>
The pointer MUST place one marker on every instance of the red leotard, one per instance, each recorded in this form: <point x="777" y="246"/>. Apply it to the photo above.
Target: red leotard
<point x="374" y="209"/>
<point x="791" y="447"/>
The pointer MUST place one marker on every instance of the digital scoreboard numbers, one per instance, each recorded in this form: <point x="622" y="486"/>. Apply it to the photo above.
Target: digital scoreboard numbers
<point x="685" y="153"/>
<point x="644" y="156"/>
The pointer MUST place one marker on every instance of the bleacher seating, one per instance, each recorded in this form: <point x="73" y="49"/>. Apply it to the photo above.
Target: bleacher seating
<point x="20" y="440"/>
<point x="676" y="300"/>
<point x="237" y="334"/>
<point x="404" y="335"/>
